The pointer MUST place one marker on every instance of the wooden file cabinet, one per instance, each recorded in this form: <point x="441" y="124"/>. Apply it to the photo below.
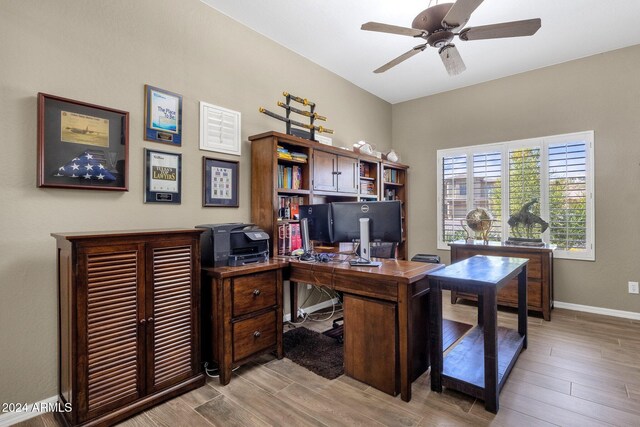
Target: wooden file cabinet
<point x="129" y="305"/>
<point x="243" y="314"/>
<point x="539" y="273"/>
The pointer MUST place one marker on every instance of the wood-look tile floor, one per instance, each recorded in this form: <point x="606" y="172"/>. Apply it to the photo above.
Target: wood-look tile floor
<point x="579" y="370"/>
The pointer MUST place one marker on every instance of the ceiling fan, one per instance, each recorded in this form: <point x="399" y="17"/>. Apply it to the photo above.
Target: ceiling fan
<point x="439" y="24"/>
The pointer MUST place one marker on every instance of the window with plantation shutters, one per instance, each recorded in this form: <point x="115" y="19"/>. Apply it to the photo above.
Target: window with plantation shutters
<point x="524" y="186"/>
<point x="454" y="197"/>
<point x="568" y="196"/>
<point x="487" y="188"/>
<point x="551" y="177"/>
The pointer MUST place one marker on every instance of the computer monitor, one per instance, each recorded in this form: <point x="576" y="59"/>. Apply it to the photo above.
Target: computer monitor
<point x="319" y="221"/>
<point x="366" y="222"/>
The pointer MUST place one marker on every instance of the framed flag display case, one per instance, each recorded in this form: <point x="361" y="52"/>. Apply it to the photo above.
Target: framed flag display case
<point x="162" y="116"/>
<point x="81" y="145"/>
<point x="220" y="182"/>
<point x="162" y="177"/>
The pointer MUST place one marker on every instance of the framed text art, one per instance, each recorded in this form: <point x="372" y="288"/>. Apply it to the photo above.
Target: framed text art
<point x="163" y="177"/>
<point x="81" y="145"/>
<point x="162" y="116"/>
<point x="220" y="182"/>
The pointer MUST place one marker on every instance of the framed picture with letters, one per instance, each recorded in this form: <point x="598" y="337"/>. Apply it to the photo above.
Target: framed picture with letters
<point x="163" y="177"/>
<point x="162" y="116"/>
<point x="82" y="145"/>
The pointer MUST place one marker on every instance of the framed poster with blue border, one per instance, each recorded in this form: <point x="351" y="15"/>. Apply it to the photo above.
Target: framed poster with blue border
<point x="162" y="177"/>
<point x="162" y="116"/>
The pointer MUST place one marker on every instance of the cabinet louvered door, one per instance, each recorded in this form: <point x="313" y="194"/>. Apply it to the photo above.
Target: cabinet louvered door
<point x="109" y="328"/>
<point x="172" y="314"/>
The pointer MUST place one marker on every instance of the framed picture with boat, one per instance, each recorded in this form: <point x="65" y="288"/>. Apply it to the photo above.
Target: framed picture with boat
<point x="81" y="145"/>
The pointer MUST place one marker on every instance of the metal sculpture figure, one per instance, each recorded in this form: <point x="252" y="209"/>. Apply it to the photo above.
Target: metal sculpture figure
<point x="526" y="219"/>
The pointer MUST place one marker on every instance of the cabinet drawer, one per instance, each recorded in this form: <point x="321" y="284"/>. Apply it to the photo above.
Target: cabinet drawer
<point x="253" y="292"/>
<point x="253" y="335"/>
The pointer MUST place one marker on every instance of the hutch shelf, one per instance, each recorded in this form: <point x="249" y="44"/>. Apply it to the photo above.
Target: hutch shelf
<point x="289" y="171"/>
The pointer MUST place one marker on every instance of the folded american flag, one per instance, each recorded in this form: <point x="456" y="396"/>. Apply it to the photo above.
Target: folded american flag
<point x="89" y="165"/>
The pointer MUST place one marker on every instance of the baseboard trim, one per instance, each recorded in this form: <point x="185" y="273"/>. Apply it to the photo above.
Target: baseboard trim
<point x="597" y="310"/>
<point x="313" y="308"/>
<point x="12" y="418"/>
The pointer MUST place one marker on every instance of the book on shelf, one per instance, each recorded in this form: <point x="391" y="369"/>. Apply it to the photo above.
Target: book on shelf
<point x="391" y="175"/>
<point x="289" y="207"/>
<point x="289" y="238"/>
<point x="290" y="177"/>
<point x="367" y="187"/>
<point x="365" y="169"/>
<point x="285" y="154"/>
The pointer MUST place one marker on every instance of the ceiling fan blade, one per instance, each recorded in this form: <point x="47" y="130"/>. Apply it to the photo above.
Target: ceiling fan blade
<point x="401" y="58"/>
<point x="460" y="13"/>
<point x="527" y="27"/>
<point x="452" y="60"/>
<point x="392" y="29"/>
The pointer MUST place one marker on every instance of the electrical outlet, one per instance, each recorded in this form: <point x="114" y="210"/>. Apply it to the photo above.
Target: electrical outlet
<point x="308" y="286"/>
<point x="633" y="288"/>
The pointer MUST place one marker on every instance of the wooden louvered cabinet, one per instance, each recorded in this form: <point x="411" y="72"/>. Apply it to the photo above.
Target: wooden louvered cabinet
<point x="129" y="331"/>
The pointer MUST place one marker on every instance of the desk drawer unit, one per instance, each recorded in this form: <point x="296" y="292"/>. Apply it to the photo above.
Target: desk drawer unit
<point x="244" y="314"/>
<point x="539" y="274"/>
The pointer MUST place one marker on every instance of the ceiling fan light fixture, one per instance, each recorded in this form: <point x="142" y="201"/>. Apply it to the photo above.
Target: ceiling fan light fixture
<point x="451" y="59"/>
<point x="438" y="25"/>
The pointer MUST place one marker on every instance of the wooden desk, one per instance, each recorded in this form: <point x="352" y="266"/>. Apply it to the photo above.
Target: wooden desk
<point x="242" y="313"/>
<point x="488" y="346"/>
<point x="402" y="285"/>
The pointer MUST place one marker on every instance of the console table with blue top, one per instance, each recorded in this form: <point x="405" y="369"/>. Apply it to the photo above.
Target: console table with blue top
<point x="481" y="362"/>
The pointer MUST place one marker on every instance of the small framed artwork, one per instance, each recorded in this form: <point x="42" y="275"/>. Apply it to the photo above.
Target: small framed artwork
<point x="81" y="145"/>
<point x="162" y="116"/>
<point x="219" y="129"/>
<point x="163" y="177"/>
<point x="220" y="182"/>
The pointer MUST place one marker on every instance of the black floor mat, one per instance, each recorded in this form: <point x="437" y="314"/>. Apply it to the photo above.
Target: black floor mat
<point x="324" y="355"/>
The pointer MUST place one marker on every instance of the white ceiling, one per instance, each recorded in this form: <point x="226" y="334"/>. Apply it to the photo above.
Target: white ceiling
<point x="328" y="33"/>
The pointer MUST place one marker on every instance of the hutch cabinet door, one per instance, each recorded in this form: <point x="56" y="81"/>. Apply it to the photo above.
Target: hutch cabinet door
<point x="348" y="175"/>
<point x="324" y="171"/>
<point x="172" y="301"/>
<point x="109" y="338"/>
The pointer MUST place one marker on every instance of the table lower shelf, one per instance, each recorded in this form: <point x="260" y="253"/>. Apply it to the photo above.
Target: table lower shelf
<point x="463" y="367"/>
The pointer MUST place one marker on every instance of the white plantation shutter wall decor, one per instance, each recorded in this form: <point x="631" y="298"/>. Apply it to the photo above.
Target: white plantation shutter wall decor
<point x="219" y="129"/>
<point x="557" y="171"/>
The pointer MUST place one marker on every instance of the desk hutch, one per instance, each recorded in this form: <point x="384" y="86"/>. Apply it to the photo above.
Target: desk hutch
<point x="324" y="174"/>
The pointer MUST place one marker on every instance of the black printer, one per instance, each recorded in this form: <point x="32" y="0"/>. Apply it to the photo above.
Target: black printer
<point x="233" y="245"/>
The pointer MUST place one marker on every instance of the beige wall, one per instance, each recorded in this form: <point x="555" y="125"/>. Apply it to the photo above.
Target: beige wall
<point x="600" y="93"/>
<point x="103" y="52"/>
